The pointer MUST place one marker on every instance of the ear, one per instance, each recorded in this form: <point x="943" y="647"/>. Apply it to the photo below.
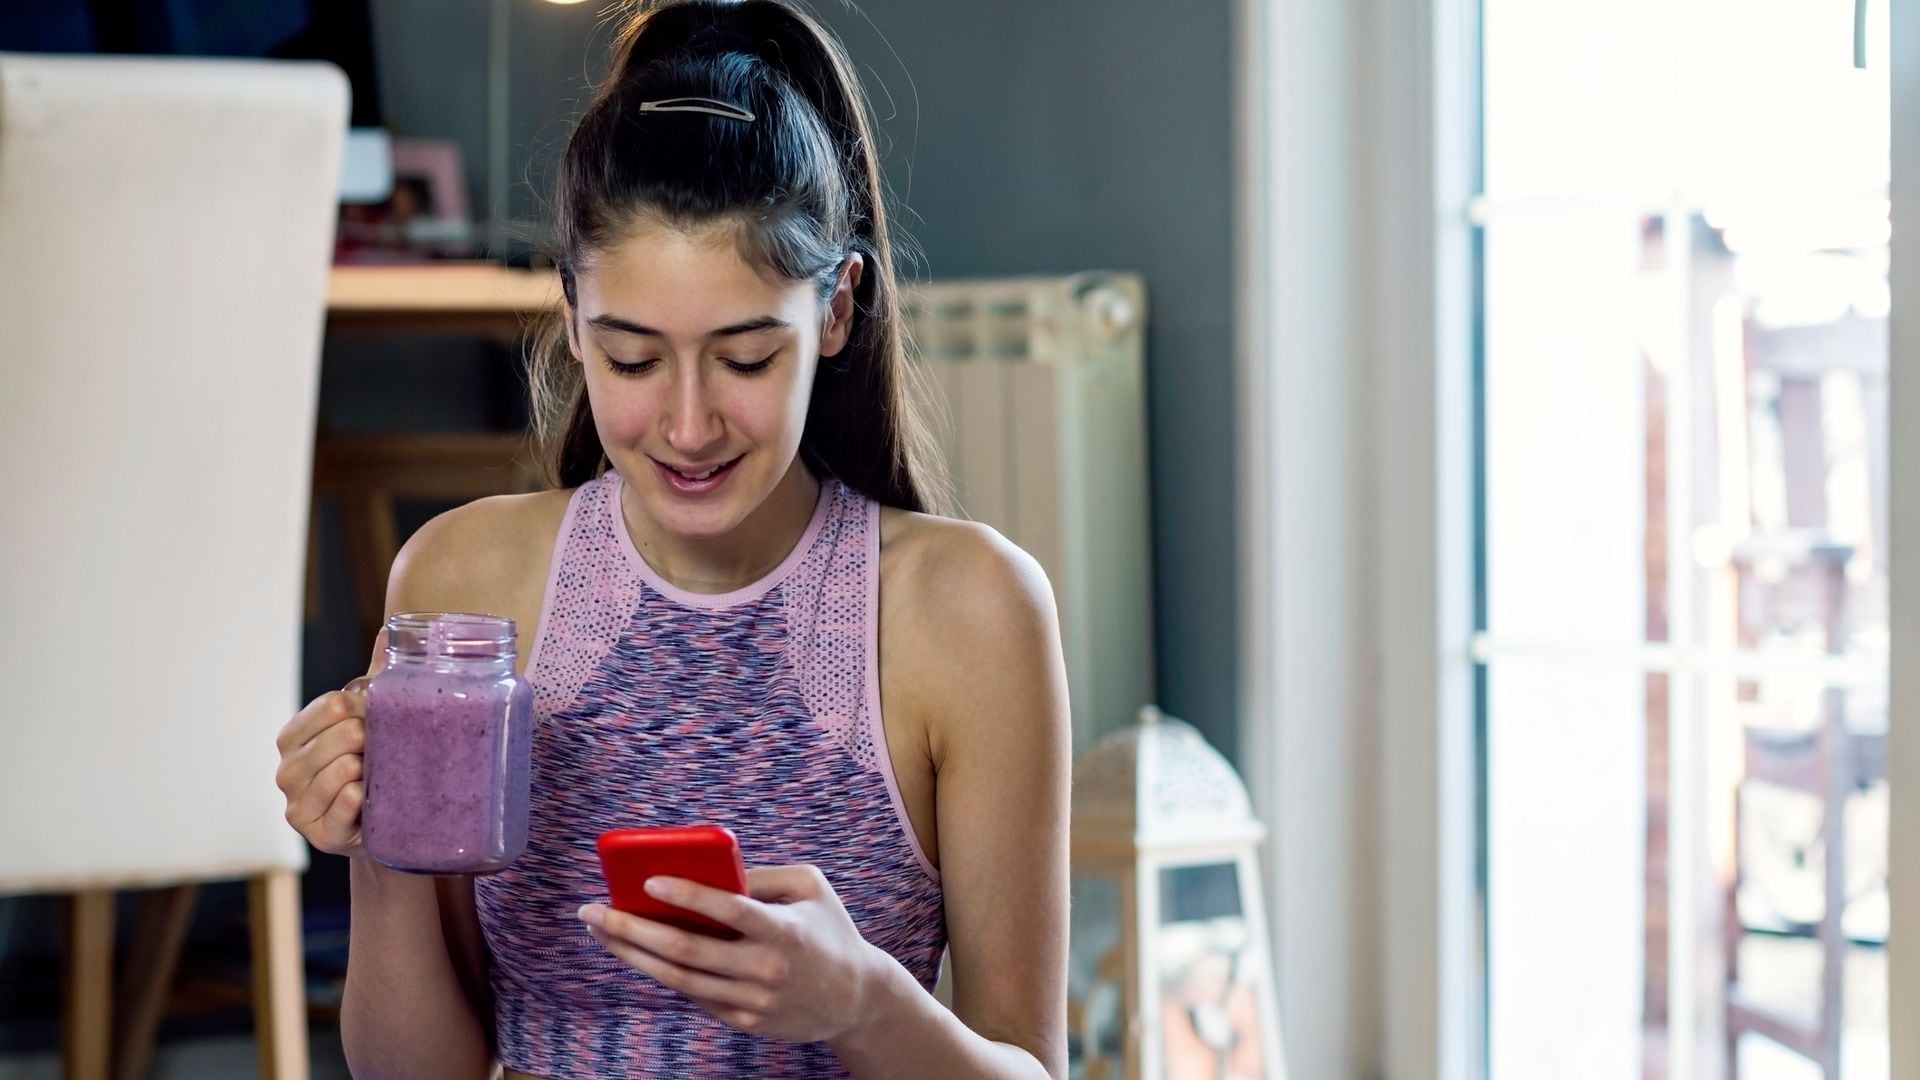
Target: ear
<point x="839" y="326"/>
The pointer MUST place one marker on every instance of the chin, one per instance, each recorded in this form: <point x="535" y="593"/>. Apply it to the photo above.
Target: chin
<point x="702" y="523"/>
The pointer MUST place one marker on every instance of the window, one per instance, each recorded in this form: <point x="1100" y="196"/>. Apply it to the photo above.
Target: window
<point x="1681" y="242"/>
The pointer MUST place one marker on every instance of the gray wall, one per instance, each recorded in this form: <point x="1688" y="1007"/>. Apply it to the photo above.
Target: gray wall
<point x="1026" y="137"/>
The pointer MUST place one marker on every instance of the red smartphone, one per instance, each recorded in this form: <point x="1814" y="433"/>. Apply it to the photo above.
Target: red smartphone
<point x="707" y="854"/>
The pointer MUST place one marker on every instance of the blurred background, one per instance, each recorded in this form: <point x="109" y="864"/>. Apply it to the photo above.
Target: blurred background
<point x="1512" y="498"/>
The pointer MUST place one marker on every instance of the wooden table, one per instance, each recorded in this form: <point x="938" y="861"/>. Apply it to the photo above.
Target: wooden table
<point x="438" y="298"/>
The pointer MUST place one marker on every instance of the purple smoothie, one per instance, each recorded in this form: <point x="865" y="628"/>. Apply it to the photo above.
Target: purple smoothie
<point x="448" y="745"/>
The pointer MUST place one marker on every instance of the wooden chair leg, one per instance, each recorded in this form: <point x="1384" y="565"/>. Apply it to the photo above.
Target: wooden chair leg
<point x="279" y="975"/>
<point x="87" y="1028"/>
<point x="153" y="956"/>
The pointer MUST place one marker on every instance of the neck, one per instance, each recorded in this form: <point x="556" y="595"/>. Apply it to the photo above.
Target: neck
<point x="744" y="555"/>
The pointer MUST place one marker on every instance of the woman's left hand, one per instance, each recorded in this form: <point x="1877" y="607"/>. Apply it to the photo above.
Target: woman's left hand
<point x="799" y="972"/>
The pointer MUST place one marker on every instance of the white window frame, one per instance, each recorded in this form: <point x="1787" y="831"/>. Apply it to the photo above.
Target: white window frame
<point x="1425" y="82"/>
<point x="1354" y="134"/>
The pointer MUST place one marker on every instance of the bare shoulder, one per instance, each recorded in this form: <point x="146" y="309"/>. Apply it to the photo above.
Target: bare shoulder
<point x="961" y="575"/>
<point x="969" y="628"/>
<point x="488" y="555"/>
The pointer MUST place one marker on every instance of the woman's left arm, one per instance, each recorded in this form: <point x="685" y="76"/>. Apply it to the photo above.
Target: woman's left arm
<point x="982" y="649"/>
<point x="987" y="664"/>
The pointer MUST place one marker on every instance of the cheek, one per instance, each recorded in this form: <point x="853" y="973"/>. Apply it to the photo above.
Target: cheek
<point x="798" y="398"/>
<point x="771" y="409"/>
<point x="772" y="413"/>
<point x="621" y="412"/>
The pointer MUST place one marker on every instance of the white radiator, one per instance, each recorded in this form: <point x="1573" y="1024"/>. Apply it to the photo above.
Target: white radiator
<point x="1044" y="430"/>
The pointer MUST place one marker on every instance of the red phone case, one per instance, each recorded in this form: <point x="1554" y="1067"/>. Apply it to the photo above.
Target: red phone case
<point x="707" y="854"/>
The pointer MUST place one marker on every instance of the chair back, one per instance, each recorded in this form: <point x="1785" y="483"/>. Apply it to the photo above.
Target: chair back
<point x="166" y="227"/>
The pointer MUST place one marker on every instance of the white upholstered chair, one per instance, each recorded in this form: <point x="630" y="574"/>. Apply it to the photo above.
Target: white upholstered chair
<point x="165" y="232"/>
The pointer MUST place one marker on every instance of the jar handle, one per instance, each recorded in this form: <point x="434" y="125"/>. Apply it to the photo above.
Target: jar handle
<point x="359" y="684"/>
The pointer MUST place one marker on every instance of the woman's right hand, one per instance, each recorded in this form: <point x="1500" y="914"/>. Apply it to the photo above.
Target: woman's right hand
<point x="321" y="765"/>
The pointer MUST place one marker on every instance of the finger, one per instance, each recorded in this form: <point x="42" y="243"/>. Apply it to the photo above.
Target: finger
<point x="324" y="790"/>
<point x="348" y="737"/>
<point x="747" y="1020"/>
<point x="786" y="884"/>
<point x="699" y="985"/>
<point x="341" y="823"/>
<point x="300" y="766"/>
<point x="742" y="913"/>
<point x="330" y="708"/>
<point x="320" y="714"/>
<point x="732" y="959"/>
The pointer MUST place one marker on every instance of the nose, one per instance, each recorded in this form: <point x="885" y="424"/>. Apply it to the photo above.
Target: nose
<point x="692" y="422"/>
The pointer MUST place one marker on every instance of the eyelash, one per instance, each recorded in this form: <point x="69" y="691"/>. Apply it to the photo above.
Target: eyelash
<point x="641" y="368"/>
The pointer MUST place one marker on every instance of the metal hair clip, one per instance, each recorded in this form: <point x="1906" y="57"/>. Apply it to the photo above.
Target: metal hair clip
<point x="699" y="105"/>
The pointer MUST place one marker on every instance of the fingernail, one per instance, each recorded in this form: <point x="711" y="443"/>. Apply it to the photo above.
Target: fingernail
<point x="589" y="914"/>
<point x="657" y="888"/>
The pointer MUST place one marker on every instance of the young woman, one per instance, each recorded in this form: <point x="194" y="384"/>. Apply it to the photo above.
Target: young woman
<point x="735" y="608"/>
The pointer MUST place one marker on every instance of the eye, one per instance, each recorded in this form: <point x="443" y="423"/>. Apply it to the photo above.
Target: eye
<point x="753" y="368"/>
<point x="638" y="368"/>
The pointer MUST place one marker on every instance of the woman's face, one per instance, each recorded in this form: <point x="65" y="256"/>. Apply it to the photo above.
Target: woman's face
<point x="699" y="370"/>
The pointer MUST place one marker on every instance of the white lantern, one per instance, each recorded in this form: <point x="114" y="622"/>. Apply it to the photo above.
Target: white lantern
<point x="1171" y="974"/>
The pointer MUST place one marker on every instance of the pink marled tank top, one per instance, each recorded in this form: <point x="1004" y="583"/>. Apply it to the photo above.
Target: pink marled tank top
<point x="758" y="710"/>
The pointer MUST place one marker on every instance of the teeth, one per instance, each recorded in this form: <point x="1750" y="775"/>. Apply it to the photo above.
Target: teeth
<point x="701" y="476"/>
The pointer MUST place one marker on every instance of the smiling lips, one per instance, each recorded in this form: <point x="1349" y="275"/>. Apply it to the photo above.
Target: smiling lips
<point x="696" y="481"/>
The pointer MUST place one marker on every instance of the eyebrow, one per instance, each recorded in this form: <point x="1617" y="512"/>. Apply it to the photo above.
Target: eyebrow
<point x="751" y="326"/>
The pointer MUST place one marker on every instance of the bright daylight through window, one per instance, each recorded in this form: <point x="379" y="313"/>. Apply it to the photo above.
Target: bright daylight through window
<point x="1683" y="231"/>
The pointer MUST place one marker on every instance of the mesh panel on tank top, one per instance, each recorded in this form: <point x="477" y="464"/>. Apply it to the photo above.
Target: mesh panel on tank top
<point x="757" y="710"/>
<point x="827" y="603"/>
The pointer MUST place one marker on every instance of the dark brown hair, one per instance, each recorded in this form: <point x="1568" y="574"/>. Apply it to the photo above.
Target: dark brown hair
<point x="801" y="186"/>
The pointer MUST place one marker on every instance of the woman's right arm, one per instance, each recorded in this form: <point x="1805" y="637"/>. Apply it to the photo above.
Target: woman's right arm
<point x="415" y="1001"/>
<point x="406" y="1012"/>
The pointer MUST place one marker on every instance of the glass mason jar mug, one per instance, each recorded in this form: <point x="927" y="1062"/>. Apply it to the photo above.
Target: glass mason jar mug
<point x="449" y="739"/>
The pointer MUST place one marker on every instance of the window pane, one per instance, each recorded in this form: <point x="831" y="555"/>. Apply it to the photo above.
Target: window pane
<point x="1594" y="854"/>
<point x="1641" y="98"/>
<point x="1567" y="867"/>
<point x="1789" y="773"/>
<point x="1576" y="322"/>
<point x="1769" y="97"/>
<point x="1579" y="99"/>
